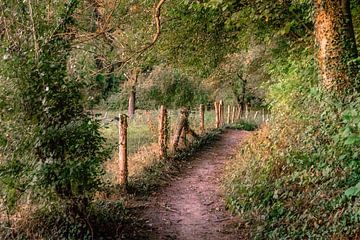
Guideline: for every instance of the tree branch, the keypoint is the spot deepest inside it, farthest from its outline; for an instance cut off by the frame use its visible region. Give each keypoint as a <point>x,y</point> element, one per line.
<point>156,36</point>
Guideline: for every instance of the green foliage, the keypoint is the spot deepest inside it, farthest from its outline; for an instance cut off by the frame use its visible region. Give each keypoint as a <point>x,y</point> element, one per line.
<point>193,38</point>
<point>174,90</point>
<point>245,125</point>
<point>102,221</point>
<point>164,86</point>
<point>50,147</point>
<point>298,178</point>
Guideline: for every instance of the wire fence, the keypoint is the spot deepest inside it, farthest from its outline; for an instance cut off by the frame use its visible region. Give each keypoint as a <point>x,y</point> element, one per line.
<point>142,133</point>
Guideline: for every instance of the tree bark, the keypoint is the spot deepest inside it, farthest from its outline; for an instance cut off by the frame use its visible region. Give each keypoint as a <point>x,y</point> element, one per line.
<point>335,38</point>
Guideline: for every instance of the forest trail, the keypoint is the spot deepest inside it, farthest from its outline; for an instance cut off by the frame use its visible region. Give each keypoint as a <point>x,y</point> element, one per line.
<point>191,206</point>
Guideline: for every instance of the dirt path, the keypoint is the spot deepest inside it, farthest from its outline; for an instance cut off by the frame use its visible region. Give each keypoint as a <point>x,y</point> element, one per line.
<point>192,207</point>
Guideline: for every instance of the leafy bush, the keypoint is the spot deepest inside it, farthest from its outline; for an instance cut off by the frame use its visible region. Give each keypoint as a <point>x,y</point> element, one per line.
<point>51,149</point>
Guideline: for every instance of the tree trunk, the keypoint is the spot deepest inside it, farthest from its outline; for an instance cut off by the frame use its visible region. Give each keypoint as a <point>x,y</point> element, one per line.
<point>242,99</point>
<point>132,97</point>
<point>335,38</point>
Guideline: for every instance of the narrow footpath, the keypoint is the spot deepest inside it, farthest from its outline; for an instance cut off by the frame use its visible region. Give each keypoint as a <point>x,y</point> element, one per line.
<point>192,206</point>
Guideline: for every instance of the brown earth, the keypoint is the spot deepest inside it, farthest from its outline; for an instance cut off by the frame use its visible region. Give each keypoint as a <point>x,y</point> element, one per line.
<point>192,206</point>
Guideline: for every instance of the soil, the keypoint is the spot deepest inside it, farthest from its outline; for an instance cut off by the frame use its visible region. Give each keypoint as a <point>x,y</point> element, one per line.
<point>192,206</point>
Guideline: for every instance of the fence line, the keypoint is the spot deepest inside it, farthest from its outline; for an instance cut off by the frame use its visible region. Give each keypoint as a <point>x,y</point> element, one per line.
<point>185,129</point>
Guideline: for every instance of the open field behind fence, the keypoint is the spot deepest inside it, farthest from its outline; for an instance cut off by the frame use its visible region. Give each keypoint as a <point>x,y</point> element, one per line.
<point>143,133</point>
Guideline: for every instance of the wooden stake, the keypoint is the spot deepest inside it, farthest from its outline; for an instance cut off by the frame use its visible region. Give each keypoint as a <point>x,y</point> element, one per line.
<point>180,128</point>
<point>221,111</point>
<point>123,161</point>
<point>238,115</point>
<point>202,118</point>
<point>263,115</point>
<point>246,112</point>
<point>217,115</point>
<point>233,114</point>
<point>228,114</point>
<point>163,132</point>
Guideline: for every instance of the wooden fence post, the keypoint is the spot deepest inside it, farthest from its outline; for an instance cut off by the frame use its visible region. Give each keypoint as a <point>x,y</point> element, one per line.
<point>238,114</point>
<point>180,128</point>
<point>246,112</point>
<point>263,115</point>
<point>228,114</point>
<point>202,118</point>
<point>217,114</point>
<point>255,115</point>
<point>163,132</point>
<point>233,114</point>
<point>123,161</point>
<point>221,108</point>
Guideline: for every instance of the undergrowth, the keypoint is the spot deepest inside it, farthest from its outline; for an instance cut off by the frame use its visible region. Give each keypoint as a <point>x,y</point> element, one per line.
<point>298,176</point>
<point>104,219</point>
<point>244,125</point>
<point>107,216</point>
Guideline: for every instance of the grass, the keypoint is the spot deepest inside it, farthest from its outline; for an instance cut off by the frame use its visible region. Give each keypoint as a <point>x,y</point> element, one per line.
<point>142,138</point>
<point>142,128</point>
<point>157,174</point>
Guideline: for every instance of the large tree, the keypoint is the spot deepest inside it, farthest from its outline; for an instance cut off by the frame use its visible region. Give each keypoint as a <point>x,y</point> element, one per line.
<point>336,45</point>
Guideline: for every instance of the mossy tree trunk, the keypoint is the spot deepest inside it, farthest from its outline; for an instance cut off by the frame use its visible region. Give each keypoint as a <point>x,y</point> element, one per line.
<point>335,38</point>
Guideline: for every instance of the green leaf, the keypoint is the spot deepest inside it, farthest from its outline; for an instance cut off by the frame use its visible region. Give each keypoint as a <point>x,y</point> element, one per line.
<point>353,191</point>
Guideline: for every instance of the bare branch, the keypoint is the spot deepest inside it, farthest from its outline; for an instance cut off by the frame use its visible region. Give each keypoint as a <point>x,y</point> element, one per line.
<point>156,36</point>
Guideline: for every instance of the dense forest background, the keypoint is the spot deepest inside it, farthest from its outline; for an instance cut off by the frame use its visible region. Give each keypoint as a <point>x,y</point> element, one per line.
<point>61,62</point>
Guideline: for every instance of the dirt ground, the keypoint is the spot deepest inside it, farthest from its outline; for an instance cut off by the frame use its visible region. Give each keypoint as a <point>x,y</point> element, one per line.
<point>191,207</point>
